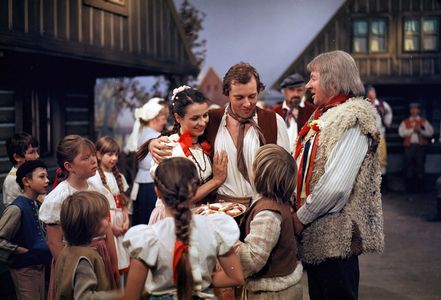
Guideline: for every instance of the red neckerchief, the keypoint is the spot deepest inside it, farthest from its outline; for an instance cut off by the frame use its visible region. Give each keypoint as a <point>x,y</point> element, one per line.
<point>187,142</point>
<point>303,132</point>
<point>179,249</point>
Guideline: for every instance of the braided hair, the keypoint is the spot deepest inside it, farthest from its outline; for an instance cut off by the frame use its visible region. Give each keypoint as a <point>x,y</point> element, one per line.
<point>176,191</point>
<point>108,145</point>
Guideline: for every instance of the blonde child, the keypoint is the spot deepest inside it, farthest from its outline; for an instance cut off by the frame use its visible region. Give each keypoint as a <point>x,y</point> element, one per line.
<point>80,271</point>
<point>107,152</point>
<point>267,247</point>
<point>150,120</point>
<point>181,250</point>
<point>77,160</point>
<point>22,242</point>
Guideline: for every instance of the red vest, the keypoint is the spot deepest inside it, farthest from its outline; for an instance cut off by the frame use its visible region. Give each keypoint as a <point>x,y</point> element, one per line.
<point>410,123</point>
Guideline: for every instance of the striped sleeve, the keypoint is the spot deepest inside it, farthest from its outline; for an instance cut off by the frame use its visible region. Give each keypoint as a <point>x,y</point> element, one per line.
<point>333,189</point>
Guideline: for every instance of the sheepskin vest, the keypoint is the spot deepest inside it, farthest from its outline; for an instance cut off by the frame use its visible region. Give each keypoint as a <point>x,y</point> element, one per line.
<point>358,227</point>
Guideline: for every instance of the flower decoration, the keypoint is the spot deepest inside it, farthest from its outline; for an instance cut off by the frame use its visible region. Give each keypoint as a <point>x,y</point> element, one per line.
<point>178,90</point>
<point>186,142</point>
<point>316,125</point>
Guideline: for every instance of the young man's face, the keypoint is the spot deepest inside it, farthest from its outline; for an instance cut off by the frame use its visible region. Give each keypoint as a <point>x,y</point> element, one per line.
<point>243,98</point>
<point>39,181</point>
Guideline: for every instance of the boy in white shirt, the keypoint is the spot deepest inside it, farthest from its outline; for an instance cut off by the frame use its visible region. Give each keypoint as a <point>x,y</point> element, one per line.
<point>20,147</point>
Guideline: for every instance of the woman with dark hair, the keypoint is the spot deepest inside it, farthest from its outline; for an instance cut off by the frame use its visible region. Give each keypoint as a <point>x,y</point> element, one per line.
<point>190,109</point>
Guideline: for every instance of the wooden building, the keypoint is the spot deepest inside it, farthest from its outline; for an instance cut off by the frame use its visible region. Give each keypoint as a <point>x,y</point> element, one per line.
<point>52,51</point>
<point>396,45</point>
<point>211,85</point>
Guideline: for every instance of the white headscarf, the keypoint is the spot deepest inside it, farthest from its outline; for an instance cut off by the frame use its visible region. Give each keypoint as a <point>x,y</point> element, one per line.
<point>147,112</point>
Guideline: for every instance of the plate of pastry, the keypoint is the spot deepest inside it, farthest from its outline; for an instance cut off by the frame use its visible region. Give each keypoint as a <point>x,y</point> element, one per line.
<point>232,209</point>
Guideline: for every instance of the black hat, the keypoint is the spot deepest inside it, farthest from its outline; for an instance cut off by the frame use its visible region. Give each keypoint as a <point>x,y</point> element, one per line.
<point>27,167</point>
<point>292,80</point>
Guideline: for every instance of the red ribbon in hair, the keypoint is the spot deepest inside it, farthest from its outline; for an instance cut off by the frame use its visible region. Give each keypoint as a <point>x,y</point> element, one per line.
<point>187,142</point>
<point>303,132</point>
<point>179,249</point>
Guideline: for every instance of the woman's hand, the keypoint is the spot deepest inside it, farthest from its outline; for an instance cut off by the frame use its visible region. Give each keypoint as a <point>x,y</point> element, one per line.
<point>220,162</point>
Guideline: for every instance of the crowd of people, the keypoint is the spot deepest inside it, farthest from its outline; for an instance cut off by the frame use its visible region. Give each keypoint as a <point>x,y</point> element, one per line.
<point>302,170</point>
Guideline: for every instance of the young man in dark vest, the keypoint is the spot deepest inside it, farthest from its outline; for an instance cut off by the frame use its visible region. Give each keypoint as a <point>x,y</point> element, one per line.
<point>239,129</point>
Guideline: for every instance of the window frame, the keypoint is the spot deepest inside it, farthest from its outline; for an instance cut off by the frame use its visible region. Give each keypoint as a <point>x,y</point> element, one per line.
<point>369,35</point>
<point>421,34</point>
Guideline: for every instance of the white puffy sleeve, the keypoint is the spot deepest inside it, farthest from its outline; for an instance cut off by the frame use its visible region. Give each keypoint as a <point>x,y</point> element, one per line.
<point>49,212</point>
<point>141,242</point>
<point>226,232</point>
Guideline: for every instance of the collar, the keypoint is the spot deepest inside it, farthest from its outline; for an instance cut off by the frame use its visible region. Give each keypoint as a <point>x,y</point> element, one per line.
<point>301,104</point>
<point>224,118</point>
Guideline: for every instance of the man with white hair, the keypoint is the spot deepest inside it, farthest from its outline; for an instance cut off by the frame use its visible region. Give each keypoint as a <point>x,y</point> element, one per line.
<point>339,214</point>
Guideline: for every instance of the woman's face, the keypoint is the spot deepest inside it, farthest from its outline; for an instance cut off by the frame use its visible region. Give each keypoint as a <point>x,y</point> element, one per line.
<point>318,94</point>
<point>195,119</point>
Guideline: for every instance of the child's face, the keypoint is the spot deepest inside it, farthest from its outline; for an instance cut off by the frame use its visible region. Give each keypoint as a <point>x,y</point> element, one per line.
<point>108,160</point>
<point>84,164</point>
<point>39,181</point>
<point>159,122</point>
<point>31,153</point>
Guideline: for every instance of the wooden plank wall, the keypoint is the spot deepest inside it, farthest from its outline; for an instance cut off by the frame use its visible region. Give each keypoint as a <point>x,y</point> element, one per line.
<point>393,65</point>
<point>148,31</point>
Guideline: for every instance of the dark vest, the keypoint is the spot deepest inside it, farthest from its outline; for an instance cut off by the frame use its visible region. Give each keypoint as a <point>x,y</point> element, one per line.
<point>283,258</point>
<point>266,120</point>
<point>30,236</point>
<point>65,267</point>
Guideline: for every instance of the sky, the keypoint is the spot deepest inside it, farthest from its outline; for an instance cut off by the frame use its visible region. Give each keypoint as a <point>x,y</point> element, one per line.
<point>267,34</point>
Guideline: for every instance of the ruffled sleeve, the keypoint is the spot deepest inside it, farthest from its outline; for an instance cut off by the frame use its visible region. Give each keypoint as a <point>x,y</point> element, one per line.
<point>49,212</point>
<point>226,232</point>
<point>141,242</point>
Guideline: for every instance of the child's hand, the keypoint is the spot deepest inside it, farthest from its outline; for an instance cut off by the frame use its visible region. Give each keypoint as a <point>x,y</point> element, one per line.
<point>21,250</point>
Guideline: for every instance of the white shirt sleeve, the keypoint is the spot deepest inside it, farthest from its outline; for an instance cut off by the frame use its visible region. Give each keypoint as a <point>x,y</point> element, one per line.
<point>333,189</point>
<point>427,130</point>
<point>388,116</point>
<point>403,131</point>
<point>282,133</point>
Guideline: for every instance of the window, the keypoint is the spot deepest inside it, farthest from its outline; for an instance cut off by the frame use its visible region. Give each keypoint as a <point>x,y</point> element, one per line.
<point>369,35</point>
<point>421,34</point>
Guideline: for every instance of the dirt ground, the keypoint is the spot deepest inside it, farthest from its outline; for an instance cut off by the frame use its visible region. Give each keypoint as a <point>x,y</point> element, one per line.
<point>410,267</point>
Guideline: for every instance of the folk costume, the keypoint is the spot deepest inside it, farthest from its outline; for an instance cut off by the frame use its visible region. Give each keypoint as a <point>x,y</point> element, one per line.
<point>154,245</point>
<point>268,252</point>
<point>294,118</point>
<point>81,274</point>
<point>266,128</point>
<point>199,155</point>
<point>11,189</point>
<point>338,168</point>
<point>19,226</point>
<point>415,150</point>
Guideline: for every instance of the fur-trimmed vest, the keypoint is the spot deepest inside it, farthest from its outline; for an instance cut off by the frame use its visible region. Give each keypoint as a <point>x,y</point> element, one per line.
<point>358,227</point>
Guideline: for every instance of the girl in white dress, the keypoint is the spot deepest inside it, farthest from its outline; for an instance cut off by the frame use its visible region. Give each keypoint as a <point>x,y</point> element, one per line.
<point>190,109</point>
<point>107,152</point>
<point>179,252</point>
<point>77,160</point>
